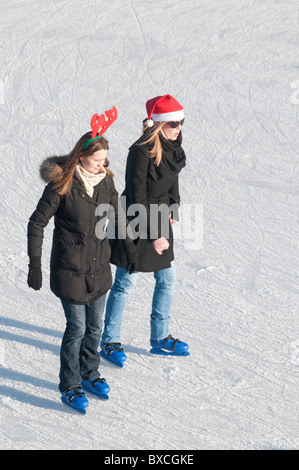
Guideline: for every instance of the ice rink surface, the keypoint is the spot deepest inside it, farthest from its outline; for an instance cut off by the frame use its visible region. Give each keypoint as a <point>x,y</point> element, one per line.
<point>234,65</point>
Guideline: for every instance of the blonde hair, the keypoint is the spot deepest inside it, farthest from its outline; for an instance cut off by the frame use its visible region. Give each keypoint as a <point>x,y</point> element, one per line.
<point>153,139</point>
<point>63,178</point>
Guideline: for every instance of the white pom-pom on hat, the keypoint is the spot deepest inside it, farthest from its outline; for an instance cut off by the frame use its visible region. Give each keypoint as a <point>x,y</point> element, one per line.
<point>149,123</point>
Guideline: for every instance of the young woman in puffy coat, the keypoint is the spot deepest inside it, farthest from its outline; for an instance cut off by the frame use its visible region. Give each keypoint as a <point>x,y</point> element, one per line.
<point>80,273</point>
<point>152,173</point>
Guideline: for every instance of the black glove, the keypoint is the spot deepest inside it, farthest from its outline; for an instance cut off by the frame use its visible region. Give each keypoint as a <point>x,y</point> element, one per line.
<point>132,258</point>
<point>35,276</point>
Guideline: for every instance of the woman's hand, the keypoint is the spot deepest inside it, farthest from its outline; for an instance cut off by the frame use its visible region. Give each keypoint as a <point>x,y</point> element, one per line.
<point>35,278</point>
<point>160,245</point>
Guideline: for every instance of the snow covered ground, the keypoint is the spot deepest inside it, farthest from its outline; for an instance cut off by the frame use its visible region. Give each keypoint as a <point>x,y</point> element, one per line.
<point>234,65</point>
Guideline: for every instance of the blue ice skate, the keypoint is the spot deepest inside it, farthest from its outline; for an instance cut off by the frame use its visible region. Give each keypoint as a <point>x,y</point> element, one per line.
<point>169,347</point>
<point>98,387</point>
<point>113,353</point>
<point>76,399</point>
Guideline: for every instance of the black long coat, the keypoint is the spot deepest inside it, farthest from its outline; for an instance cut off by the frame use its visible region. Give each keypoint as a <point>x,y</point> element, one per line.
<point>146,184</point>
<point>80,269</point>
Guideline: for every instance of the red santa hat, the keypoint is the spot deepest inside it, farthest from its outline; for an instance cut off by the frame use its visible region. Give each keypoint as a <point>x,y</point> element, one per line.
<point>163,108</point>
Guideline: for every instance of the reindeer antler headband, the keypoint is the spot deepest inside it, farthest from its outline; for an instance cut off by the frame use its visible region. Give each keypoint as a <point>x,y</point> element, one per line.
<point>99,122</point>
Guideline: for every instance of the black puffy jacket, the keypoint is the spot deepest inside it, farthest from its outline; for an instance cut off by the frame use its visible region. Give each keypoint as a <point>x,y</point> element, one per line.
<point>79,268</point>
<point>148,184</point>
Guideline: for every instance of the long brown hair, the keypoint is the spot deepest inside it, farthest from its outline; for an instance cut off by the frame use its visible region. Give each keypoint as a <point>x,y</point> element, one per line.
<point>64,177</point>
<point>151,135</point>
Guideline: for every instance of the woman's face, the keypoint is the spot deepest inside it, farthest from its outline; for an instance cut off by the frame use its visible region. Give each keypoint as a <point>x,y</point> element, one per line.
<point>171,133</point>
<point>94,163</point>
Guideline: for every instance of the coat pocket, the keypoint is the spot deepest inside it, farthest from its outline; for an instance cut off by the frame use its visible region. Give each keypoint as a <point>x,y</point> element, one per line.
<point>70,256</point>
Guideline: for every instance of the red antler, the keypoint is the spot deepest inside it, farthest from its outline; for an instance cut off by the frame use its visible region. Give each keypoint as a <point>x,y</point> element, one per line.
<point>99,122</point>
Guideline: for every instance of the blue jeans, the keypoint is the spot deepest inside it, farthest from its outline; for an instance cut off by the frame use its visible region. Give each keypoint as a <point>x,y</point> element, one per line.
<point>79,357</point>
<point>161,303</point>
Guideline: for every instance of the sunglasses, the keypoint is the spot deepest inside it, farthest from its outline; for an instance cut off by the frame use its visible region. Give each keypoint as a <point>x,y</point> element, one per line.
<point>174,124</point>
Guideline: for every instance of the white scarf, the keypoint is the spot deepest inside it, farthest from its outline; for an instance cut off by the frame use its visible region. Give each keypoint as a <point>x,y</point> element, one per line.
<point>89,179</point>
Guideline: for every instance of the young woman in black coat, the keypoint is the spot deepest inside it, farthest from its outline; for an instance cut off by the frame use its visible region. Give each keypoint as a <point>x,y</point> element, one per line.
<point>80,273</point>
<point>153,166</point>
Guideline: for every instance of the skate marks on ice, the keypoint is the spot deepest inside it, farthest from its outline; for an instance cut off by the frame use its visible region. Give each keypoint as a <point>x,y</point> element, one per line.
<point>294,352</point>
<point>231,65</point>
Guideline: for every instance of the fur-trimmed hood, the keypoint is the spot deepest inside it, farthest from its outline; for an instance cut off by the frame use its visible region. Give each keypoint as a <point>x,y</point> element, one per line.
<point>51,166</point>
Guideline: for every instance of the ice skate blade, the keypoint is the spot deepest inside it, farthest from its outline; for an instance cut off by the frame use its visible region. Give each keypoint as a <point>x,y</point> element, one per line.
<point>161,352</point>
<point>74,409</point>
<point>114,363</point>
<point>101,397</point>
